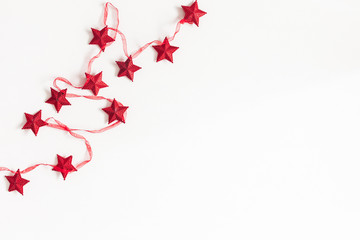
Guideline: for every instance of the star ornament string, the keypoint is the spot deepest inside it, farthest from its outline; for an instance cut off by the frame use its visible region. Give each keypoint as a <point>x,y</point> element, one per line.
<point>116,111</point>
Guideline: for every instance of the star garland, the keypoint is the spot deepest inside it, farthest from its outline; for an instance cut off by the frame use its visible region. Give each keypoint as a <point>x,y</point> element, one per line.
<point>116,111</point>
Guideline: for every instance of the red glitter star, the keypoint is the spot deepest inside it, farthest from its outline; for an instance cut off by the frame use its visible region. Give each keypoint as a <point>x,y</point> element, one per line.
<point>101,38</point>
<point>127,68</point>
<point>165,51</point>
<point>58,99</point>
<point>34,122</point>
<point>193,13</point>
<point>64,166</point>
<point>94,83</point>
<point>16,182</point>
<point>116,111</point>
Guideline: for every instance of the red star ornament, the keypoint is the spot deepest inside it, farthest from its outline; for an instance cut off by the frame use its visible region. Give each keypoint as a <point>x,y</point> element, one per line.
<point>192,13</point>
<point>165,51</point>
<point>101,38</point>
<point>127,68</point>
<point>16,182</point>
<point>58,99</point>
<point>64,166</point>
<point>116,111</point>
<point>34,122</point>
<point>94,83</point>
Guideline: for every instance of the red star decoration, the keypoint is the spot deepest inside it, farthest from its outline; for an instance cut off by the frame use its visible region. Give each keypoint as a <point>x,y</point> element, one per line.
<point>116,111</point>
<point>34,122</point>
<point>64,166</point>
<point>94,83</point>
<point>165,51</point>
<point>127,68</point>
<point>101,38</point>
<point>58,99</point>
<point>192,13</point>
<point>16,182</point>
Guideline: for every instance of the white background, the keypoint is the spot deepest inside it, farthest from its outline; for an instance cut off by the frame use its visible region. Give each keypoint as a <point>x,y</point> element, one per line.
<point>252,133</point>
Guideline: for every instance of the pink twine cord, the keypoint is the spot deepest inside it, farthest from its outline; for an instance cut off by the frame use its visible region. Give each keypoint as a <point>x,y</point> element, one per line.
<point>123,39</point>
<point>92,61</point>
<point>61,126</point>
<point>106,13</point>
<point>72,95</point>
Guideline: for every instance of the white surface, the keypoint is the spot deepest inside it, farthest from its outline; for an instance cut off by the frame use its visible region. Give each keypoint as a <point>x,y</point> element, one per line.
<point>253,132</point>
